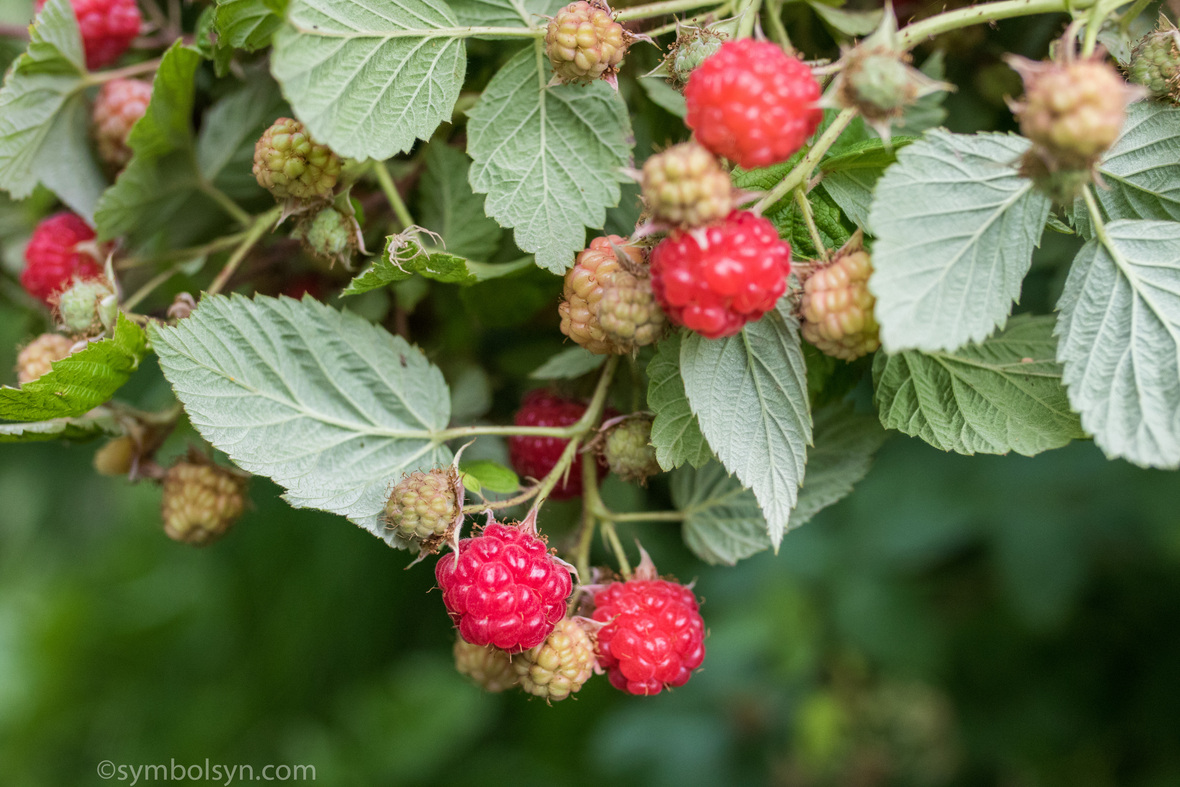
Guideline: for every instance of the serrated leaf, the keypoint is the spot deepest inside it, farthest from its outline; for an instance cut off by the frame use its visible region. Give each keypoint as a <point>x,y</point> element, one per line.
<point>331,407</point>
<point>1120,339</point>
<point>548,158</point>
<point>368,80</point>
<point>491,476</point>
<point>570,363</point>
<point>722,521</point>
<point>850,178</point>
<point>80,382</point>
<point>675,433</point>
<point>1002,395</point>
<point>404,258</point>
<point>843,452</point>
<point>955,228</point>
<point>450,208</point>
<point>249,24</point>
<point>45,117</point>
<point>503,13</point>
<point>749,394</point>
<point>788,218</point>
<point>56,429</point>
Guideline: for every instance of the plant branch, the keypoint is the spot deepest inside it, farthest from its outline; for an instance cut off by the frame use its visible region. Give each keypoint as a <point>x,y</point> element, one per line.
<point>100,77</point>
<point>612,538</point>
<point>912,35</point>
<point>809,220</point>
<point>226,204</point>
<point>802,171</point>
<point>747,17</point>
<point>660,9</point>
<point>148,289</point>
<point>261,227</point>
<point>389,188</point>
<point>1098,15</point>
<point>220,244</point>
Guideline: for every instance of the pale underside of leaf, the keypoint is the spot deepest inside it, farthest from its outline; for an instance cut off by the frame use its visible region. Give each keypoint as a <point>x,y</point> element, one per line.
<point>722,521</point>
<point>1141,174</point>
<point>675,433</point>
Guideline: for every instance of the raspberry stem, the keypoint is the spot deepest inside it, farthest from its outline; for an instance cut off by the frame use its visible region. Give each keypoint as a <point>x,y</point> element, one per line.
<point>1101,10</point>
<point>612,538</point>
<point>802,171</point>
<point>660,9</point>
<point>262,225</point>
<point>912,35</point>
<point>99,77</point>
<point>809,220</point>
<point>392,195</point>
<point>1101,233</point>
<point>225,203</point>
<point>747,16</point>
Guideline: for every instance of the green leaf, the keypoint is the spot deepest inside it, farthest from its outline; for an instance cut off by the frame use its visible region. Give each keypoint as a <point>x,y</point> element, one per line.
<point>999,396</point>
<point>368,80</point>
<point>749,393</point>
<point>403,258</point>
<point>491,476</point>
<point>80,382</point>
<point>664,95</point>
<point>956,228</point>
<point>331,407</point>
<point>722,521</point>
<point>45,117</point>
<point>249,24</point>
<point>850,178</point>
<point>843,452</point>
<point>57,429</point>
<point>449,207</point>
<point>852,23</point>
<point>788,218</point>
<point>503,13</point>
<point>570,363</point>
<point>225,147</point>
<point>675,433</point>
<point>548,158</point>
<point>1120,339</point>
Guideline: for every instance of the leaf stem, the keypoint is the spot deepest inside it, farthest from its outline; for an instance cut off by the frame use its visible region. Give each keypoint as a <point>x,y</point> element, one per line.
<point>912,35</point>
<point>747,17</point>
<point>778,31</point>
<point>660,9</point>
<point>612,538</point>
<point>121,73</point>
<point>261,227</point>
<point>802,171</point>
<point>389,188</point>
<point>809,220</point>
<point>148,288</point>
<point>1098,15</point>
<point>225,203</point>
<point>225,242</point>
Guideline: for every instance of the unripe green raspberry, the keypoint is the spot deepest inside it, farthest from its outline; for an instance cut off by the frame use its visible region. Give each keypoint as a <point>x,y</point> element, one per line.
<point>201,501</point>
<point>687,186</point>
<point>330,235</point>
<point>560,665</point>
<point>87,307</point>
<point>1155,63</point>
<point>629,314</point>
<point>879,83</point>
<point>690,50</point>
<point>116,457</point>
<point>584,287</point>
<point>288,163</point>
<point>584,42</point>
<point>36,358</point>
<point>628,450</point>
<point>490,668</point>
<point>838,308</point>
<point>422,508</point>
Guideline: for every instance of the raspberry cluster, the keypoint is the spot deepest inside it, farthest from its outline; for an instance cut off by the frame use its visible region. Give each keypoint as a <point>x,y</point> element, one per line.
<point>585,43</point>
<point>534,457</point>
<point>585,286</point>
<point>837,308</point>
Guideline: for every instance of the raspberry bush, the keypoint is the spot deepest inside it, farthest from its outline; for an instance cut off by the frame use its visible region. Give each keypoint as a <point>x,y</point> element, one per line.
<point>715,275</point>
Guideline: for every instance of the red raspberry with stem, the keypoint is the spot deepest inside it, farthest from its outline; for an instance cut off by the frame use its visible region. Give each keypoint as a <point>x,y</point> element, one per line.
<point>52,260</point>
<point>716,278</point>
<point>108,27</point>
<point>654,636</point>
<point>534,457</point>
<point>752,103</point>
<point>120,103</point>
<point>503,588</point>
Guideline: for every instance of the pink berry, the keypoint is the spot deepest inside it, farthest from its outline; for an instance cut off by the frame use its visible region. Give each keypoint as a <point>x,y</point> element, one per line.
<point>108,27</point>
<point>52,260</point>
<point>120,103</point>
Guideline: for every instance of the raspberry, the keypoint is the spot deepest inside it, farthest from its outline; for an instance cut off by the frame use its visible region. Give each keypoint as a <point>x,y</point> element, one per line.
<point>628,450</point>
<point>534,457</point>
<point>120,103</point>
<point>629,314</point>
<point>654,636</point>
<point>1072,111</point>
<point>201,501</point>
<point>837,308</point>
<point>490,668</point>
<point>422,509</point>
<point>86,307</point>
<point>585,43</point>
<point>715,279</point>
<point>752,103</point>
<point>1155,63</point>
<point>116,457</point>
<point>584,284</point>
<point>51,259</point>
<point>690,50</point>
<point>36,358</point>
<point>560,665</point>
<point>503,588</point>
<point>289,164</point>
<point>686,185</point>
<point>108,27</point>
<point>330,235</point>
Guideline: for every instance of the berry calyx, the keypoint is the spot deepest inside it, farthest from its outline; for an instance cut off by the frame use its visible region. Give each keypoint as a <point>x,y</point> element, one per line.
<point>837,307</point>
<point>423,509</point>
<point>628,312</point>
<point>37,357</point>
<point>560,665</point>
<point>534,457</point>
<point>585,43</point>
<point>489,668</point>
<point>202,501</point>
<point>503,588</point>
<point>87,307</point>
<point>686,186</point>
<point>53,258</point>
<point>120,103</point>
<point>879,82</point>
<point>752,103</point>
<point>584,287</point>
<point>1155,63</point>
<point>107,26</point>
<point>653,637</point>
<point>628,451</point>
<point>690,50</point>
<point>715,279</point>
<point>289,164</point>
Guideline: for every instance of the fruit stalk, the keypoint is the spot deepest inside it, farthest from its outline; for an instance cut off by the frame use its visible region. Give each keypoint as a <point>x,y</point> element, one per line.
<point>660,9</point>
<point>808,163</point>
<point>262,225</point>
<point>912,35</point>
<point>389,188</point>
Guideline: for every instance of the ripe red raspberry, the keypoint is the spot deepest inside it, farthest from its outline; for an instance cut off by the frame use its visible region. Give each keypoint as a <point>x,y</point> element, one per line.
<point>654,636</point>
<point>715,279</point>
<point>51,261</point>
<point>752,103</point>
<point>108,27</point>
<point>534,457</point>
<point>503,588</point>
<point>120,103</point>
